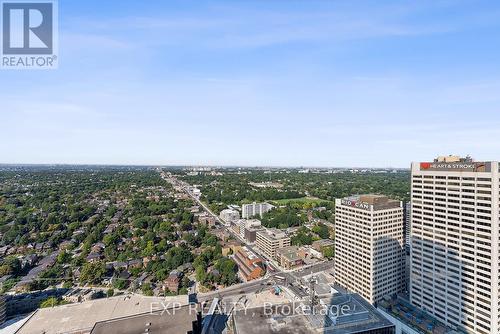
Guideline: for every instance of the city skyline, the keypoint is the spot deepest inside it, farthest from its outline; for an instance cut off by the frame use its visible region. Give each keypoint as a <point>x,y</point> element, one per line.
<point>260,84</point>
<point>251,166</point>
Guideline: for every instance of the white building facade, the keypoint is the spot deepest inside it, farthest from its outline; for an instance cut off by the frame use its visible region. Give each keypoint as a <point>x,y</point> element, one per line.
<point>229,215</point>
<point>455,242</point>
<point>369,252</point>
<point>254,209</point>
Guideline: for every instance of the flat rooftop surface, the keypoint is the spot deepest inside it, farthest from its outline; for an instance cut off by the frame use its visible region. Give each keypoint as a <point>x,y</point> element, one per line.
<point>379,202</point>
<point>352,314</point>
<point>179,321</point>
<point>83,316</point>
<point>274,320</point>
<point>413,317</point>
<point>348,314</point>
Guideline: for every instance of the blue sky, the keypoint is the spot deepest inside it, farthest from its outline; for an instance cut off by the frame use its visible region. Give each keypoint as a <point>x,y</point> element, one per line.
<point>296,83</point>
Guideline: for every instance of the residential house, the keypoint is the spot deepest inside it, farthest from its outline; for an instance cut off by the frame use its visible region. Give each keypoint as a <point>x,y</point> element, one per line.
<point>93,257</point>
<point>173,281</point>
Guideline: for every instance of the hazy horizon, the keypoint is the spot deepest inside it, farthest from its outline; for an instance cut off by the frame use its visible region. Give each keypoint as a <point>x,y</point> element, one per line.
<point>200,166</point>
<point>254,83</point>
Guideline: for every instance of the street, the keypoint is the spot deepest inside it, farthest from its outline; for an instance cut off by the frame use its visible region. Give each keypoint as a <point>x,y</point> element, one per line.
<point>292,277</point>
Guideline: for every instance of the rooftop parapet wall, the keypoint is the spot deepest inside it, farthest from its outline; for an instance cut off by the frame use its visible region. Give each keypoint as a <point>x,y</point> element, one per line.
<point>371,202</point>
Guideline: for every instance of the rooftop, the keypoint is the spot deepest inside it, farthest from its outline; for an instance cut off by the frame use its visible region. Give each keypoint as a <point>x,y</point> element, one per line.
<point>453,164</point>
<point>248,253</point>
<point>349,313</point>
<point>413,317</point>
<point>257,320</point>
<point>378,202</point>
<point>324,242</point>
<point>178,321</point>
<point>83,316</point>
<point>453,158</point>
<point>360,315</point>
<point>290,253</point>
<point>272,233</point>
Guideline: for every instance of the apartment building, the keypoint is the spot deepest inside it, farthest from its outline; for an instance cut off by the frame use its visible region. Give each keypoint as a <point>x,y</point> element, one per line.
<point>251,234</point>
<point>369,252</point>
<point>245,225</point>
<point>269,240</point>
<point>254,209</point>
<point>455,242</point>
<point>229,215</point>
<point>247,229</point>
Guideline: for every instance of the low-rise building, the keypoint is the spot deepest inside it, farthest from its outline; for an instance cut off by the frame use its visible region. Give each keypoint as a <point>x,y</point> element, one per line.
<point>270,240</point>
<point>98,247</point>
<point>207,220</point>
<point>81,295</point>
<point>250,266</point>
<point>116,265</point>
<point>320,244</point>
<point>221,234</point>
<point>229,215</point>
<point>289,257</point>
<point>144,278</point>
<point>309,254</point>
<point>230,247</point>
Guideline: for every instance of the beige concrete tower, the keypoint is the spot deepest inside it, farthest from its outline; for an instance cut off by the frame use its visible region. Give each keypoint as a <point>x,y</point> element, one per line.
<point>455,242</point>
<point>369,252</point>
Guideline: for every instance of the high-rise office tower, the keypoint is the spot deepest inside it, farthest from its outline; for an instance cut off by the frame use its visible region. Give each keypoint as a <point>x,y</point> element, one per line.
<point>455,242</point>
<point>369,253</point>
<point>406,226</point>
<point>407,243</point>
